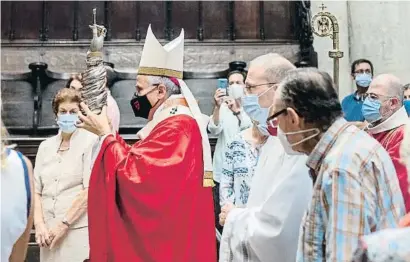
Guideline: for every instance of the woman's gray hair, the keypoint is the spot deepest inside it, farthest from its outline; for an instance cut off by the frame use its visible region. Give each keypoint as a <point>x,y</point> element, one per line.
<point>406,87</point>
<point>172,88</point>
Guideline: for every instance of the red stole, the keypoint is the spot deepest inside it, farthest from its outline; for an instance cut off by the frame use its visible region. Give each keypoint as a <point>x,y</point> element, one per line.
<point>391,141</point>
<point>147,202</point>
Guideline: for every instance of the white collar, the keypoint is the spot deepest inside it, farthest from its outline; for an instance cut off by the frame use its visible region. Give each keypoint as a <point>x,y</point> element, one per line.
<point>161,107</point>
<point>399,118</point>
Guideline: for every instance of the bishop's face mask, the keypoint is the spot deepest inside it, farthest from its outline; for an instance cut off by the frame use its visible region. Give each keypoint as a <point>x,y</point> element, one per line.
<point>141,105</point>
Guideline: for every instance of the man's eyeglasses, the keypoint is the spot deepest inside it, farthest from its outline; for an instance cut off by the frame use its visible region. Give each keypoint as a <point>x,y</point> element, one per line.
<point>373,96</point>
<point>272,122</point>
<point>361,71</point>
<point>253,86</point>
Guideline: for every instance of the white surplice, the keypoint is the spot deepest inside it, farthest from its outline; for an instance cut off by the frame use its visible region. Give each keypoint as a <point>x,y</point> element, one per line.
<point>267,229</point>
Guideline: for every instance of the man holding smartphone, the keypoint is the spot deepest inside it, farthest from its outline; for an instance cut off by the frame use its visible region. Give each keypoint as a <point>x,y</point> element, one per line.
<point>228,119</point>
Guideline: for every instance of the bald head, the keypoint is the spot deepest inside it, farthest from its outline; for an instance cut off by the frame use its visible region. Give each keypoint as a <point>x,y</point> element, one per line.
<point>387,85</point>
<point>274,65</point>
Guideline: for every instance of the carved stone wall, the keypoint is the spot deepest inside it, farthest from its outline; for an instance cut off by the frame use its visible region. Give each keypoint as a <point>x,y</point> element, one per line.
<point>200,57</point>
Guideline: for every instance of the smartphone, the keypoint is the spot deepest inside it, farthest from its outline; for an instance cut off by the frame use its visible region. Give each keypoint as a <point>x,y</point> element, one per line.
<point>222,83</point>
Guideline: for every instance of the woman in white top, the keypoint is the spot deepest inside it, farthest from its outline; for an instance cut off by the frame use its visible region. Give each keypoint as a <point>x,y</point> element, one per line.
<point>16,202</point>
<point>62,172</point>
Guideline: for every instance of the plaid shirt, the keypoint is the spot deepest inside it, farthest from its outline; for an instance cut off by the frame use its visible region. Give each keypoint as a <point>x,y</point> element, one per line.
<point>356,192</point>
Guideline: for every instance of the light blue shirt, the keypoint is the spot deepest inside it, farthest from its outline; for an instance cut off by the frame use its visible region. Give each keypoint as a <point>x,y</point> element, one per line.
<point>352,108</point>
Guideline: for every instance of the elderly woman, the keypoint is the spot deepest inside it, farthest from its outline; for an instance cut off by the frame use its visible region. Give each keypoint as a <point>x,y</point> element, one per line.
<point>62,172</point>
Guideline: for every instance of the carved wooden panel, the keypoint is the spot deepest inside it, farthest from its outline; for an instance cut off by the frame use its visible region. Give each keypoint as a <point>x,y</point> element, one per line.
<point>215,15</point>
<point>224,20</point>
<point>124,19</point>
<point>6,13</point>
<point>27,19</point>
<point>279,22</point>
<point>185,15</point>
<point>60,19</point>
<point>152,13</point>
<point>85,17</point>
<point>246,19</point>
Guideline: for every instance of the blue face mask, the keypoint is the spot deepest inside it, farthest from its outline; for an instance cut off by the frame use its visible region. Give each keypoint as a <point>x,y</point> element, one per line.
<point>407,106</point>
<point>363,80</point>
<point>371,110</point>
<point>67,122</point>
<point>252,108</point>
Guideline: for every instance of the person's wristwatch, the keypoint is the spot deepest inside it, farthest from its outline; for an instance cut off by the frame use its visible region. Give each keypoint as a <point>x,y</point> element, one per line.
<point>65,222</point>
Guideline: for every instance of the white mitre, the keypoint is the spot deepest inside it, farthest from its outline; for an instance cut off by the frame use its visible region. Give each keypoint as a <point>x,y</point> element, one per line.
<point>168,61</point>
<point>161,60</point>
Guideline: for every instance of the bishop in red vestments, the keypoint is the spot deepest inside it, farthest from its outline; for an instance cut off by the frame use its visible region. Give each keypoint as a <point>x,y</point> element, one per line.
<point>385,105</point>
<point>152,201</point>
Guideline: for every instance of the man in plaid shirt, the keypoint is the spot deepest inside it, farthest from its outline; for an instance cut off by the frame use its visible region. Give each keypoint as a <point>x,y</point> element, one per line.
<point>356,190</point>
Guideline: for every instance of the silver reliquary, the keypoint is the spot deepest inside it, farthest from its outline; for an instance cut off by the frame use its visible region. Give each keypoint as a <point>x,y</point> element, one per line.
<point>94,80</point>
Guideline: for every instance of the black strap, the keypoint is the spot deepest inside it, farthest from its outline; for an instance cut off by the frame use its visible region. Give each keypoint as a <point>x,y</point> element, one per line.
<point>26,182</point>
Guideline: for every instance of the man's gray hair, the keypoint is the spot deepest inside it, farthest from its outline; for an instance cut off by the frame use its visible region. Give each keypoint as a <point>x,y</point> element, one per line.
<point>172,88</point>
<point>276,66</point>
<point>393,85</point>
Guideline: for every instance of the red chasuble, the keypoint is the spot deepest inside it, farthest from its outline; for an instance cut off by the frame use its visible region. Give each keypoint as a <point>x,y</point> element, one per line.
<point>147,202</point>
<point>391,141</point>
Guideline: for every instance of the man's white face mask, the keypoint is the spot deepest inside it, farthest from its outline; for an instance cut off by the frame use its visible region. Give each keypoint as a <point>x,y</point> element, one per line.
<point>236,91</point>
<point>275,130</point>
<point>285,143</point>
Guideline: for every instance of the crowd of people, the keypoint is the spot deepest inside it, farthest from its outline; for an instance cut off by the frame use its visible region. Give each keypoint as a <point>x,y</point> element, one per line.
<point>296,174</point>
